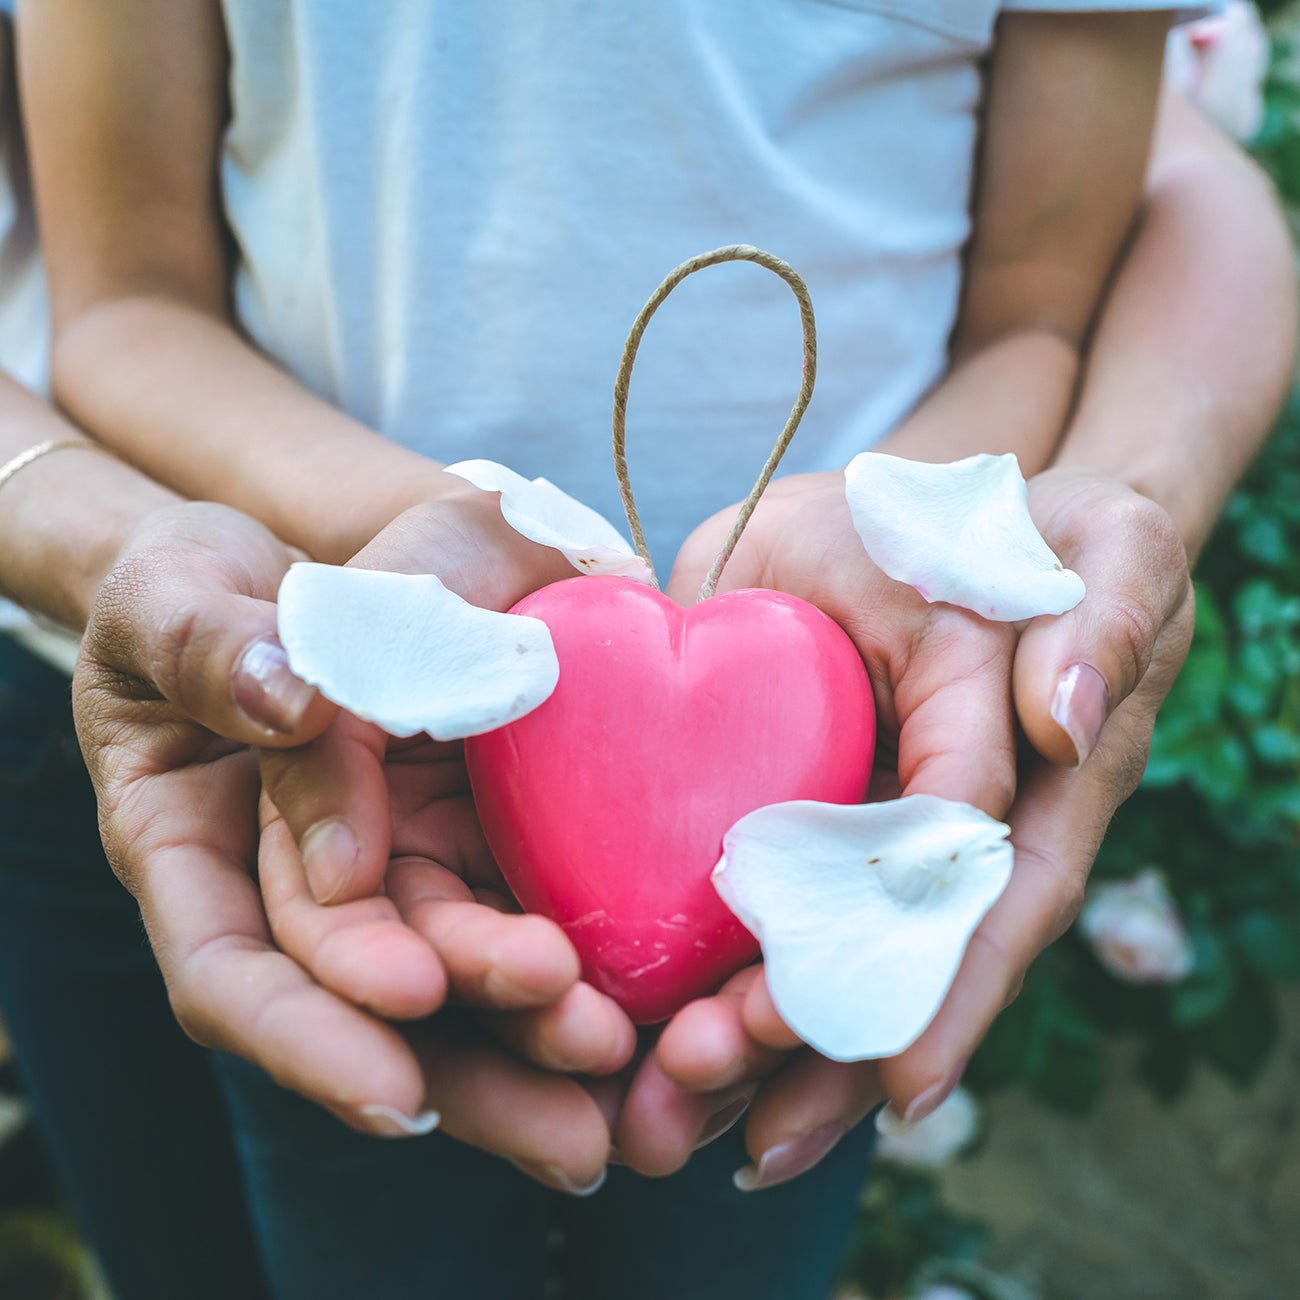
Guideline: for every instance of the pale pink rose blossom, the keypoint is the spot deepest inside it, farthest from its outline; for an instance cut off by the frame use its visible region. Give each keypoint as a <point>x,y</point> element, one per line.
<point>1220,63</point>
<point>935,1140</point>
<point>1134,929</point>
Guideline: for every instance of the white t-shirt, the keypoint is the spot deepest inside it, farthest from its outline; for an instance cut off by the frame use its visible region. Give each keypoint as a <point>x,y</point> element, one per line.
<point>448,215</point>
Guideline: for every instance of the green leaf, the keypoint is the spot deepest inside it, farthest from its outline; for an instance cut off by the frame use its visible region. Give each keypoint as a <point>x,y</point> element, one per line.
<point>1238,1040</point>
<point>1072,1078</point>
<point>1015,1045</point>
<point>1264,539</point>
<point>1166,1066</point>
<point>1276,744</point>
<point>1269,943</point>
<point>1210,986</point>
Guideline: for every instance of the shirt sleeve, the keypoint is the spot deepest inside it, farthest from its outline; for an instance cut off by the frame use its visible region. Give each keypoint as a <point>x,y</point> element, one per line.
<point>1181,11</point>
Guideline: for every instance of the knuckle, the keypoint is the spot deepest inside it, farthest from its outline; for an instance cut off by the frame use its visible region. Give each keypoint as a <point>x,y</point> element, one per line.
<point>188,1009</point>
<point>1066,888</point>
<point>1129,628</point>
<point>179,642</point>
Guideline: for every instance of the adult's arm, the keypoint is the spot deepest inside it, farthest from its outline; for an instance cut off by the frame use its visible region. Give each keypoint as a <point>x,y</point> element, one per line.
<point>126,103</point>
<point>1191,359</point>
<point>1186,366</point>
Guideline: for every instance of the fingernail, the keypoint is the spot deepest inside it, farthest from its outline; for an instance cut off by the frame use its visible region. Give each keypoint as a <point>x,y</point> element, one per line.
<point>788,1160</point>
<point>266,689</point>
<point>1080,706</point>
<point>718,1124</point>
<point>889,1122</point>
<point>554,1176</point>
<point>329,852</point>
<point>387,1121</point>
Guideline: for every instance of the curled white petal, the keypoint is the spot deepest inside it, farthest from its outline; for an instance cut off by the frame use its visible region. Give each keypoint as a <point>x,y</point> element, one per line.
<point>543,513</point>
<point>959,533</point>
<point>1134,928</point>
<point>935,1140</point>
<point>404,652</point>
<point>863,911</point>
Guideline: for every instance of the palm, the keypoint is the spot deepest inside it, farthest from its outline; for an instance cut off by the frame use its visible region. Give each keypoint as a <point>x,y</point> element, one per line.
<point>941,681</point>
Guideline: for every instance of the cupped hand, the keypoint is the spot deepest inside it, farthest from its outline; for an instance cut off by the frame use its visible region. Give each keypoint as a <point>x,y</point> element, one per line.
<point>376,876</point>
<point>942,684</point>
<point>1088,686</point>
<point>1132,631</point>
<point>180,677</point>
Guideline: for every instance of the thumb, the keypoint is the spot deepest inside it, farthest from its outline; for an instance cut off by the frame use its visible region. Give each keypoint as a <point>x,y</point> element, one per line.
<point>196,625</point>
<point>1072,671</point>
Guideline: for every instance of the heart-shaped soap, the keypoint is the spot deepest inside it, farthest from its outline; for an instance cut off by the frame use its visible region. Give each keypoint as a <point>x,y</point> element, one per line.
<point>606,806</point>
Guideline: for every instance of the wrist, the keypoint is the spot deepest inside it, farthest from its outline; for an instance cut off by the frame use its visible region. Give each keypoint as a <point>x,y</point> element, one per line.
<point>66,518</point>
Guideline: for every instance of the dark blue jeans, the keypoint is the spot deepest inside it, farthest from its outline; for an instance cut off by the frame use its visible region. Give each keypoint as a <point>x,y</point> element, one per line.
<point>130,1108</point>
<point>142,1136</point>
<point>343,1216</point>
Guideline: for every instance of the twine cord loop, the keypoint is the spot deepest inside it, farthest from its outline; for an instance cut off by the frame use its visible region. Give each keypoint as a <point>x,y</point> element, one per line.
<point>731,253</point>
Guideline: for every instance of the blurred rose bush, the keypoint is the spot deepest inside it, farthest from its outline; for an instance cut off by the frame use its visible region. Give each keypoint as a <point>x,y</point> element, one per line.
<point>1193,917</point>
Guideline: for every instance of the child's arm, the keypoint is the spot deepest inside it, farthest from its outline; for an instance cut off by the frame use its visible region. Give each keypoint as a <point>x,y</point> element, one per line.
<point>125,102</point>
<point>1069,111</point>
<point>1188,361</point>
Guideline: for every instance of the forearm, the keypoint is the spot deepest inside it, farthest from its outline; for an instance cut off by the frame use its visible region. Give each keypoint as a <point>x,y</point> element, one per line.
<point>1195,347</point>
<point>65,517</point>
<point>1011,395</point>
<point>179,393</point>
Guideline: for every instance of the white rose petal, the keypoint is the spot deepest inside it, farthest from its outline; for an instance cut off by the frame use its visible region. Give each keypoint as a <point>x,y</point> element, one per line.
<point>936,1139</point>
<point>404,652</point>
<point>540,511</point>
<point>959,533</point>
<point>1135,930</point>
<point>863,911</point>
<point>1220,64</point>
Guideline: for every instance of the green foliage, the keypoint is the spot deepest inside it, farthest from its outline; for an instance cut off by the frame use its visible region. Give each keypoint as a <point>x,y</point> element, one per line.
<point>41,1258</point>
<point>1218,813</point>
<point>904,1224</point>
<point>1219,809</point>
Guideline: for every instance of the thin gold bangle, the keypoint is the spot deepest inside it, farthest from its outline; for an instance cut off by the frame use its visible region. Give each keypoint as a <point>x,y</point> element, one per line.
<point>25,458</point>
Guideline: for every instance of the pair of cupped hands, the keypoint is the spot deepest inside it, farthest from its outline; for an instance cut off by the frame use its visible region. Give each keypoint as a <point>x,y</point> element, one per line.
<point>321,900</point>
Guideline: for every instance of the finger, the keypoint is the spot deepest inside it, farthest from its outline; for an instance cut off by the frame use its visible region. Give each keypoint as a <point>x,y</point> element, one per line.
<point>463,539</point>
<point>189,614</point>
<point>361,950</point>
<point>1057,826</point>
<point>333,798</point>
<point>956,735</point>
<point>798,1117</point>
<point>1073,671</point>
<point>584,1032</point>
<point>233,991</point>
<point>763,1021</point>
<point>661,1123</point>
<point>707,1046</point>
<point>549,1125</point>
<point>493,959</point>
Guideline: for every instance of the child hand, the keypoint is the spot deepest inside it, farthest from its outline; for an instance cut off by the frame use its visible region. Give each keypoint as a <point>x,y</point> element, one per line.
<point>942,684</point>
<point>1133,628</point>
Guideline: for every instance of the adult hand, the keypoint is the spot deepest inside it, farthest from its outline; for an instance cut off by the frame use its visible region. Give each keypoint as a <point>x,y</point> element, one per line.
<point>1087,686</point>
<point>942,684</point>
<point>179,676</point>
<point>1132,630</point>
<point>367,838</point>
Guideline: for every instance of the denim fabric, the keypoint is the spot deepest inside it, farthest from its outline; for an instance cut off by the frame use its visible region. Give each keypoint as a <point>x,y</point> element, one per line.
<point>128,1105</point>
<point>141,1133</point>
<point>341,1216</point>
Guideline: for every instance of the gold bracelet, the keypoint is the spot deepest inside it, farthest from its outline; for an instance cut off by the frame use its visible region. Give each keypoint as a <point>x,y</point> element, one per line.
<point>25,458</point>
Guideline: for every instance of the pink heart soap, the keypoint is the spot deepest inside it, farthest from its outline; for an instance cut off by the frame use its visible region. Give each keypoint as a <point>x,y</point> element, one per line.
<point>606,806</point>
